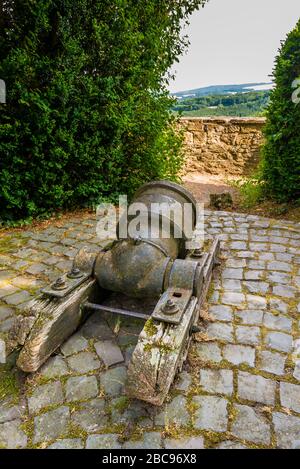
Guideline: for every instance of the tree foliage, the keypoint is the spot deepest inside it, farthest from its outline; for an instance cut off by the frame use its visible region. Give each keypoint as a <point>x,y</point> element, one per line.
<point>281,153</point>
<point>88,110</point>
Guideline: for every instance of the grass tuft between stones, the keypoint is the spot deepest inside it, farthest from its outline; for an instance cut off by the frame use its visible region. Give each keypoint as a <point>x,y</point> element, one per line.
<point>9,386</point>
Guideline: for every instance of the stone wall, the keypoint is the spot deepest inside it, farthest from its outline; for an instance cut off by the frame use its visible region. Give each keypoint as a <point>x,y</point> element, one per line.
<point>221,145</point>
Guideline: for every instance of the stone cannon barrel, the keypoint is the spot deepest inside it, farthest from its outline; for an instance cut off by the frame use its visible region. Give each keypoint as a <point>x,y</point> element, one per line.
<point>141,266</point>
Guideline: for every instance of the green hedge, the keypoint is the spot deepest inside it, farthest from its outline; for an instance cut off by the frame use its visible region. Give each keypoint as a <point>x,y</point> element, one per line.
<point>87,113</point>
<point>281,154</point>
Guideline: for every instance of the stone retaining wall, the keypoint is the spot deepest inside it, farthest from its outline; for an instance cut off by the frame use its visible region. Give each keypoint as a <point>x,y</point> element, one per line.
<point>221,145</point>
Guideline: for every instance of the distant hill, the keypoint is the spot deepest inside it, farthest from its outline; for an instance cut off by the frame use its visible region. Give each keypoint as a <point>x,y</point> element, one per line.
<point>222,89</point>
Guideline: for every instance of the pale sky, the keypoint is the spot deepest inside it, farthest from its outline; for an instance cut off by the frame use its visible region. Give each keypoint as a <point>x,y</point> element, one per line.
<point>234,41</point>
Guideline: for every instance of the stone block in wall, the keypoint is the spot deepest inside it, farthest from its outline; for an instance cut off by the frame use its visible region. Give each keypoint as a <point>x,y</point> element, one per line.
<point>192,124</point>
<point>249,129</point>
<point>200,138</point>
<point>188,138</point>
<point>232,129</point>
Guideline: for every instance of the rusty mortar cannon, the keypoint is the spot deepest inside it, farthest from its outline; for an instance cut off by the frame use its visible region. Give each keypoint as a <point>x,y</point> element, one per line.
<point>162,267</point>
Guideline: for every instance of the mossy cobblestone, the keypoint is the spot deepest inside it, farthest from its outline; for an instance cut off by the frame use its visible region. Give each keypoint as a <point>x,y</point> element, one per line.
<point>239,388</point>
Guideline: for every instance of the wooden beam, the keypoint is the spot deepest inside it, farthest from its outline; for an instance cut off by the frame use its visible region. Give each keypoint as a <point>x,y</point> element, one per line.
<point>162,348</point>
<point>55,320</point>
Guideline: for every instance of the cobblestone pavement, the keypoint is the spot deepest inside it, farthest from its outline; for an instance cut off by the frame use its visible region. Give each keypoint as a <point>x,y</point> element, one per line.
<point>241,384</point>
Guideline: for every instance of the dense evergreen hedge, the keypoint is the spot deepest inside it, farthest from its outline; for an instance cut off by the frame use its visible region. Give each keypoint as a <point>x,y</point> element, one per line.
<point>87,113</point>
<point>281,154</point>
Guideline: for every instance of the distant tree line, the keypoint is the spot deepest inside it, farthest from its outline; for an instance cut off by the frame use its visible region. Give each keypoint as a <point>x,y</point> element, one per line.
<point>240,104</point>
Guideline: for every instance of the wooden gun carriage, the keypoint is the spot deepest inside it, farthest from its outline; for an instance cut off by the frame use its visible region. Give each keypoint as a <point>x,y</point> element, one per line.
<point>163,268</point>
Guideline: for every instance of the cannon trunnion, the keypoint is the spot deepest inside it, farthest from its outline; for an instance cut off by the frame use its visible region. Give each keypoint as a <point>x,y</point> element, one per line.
<point>160,266</point>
